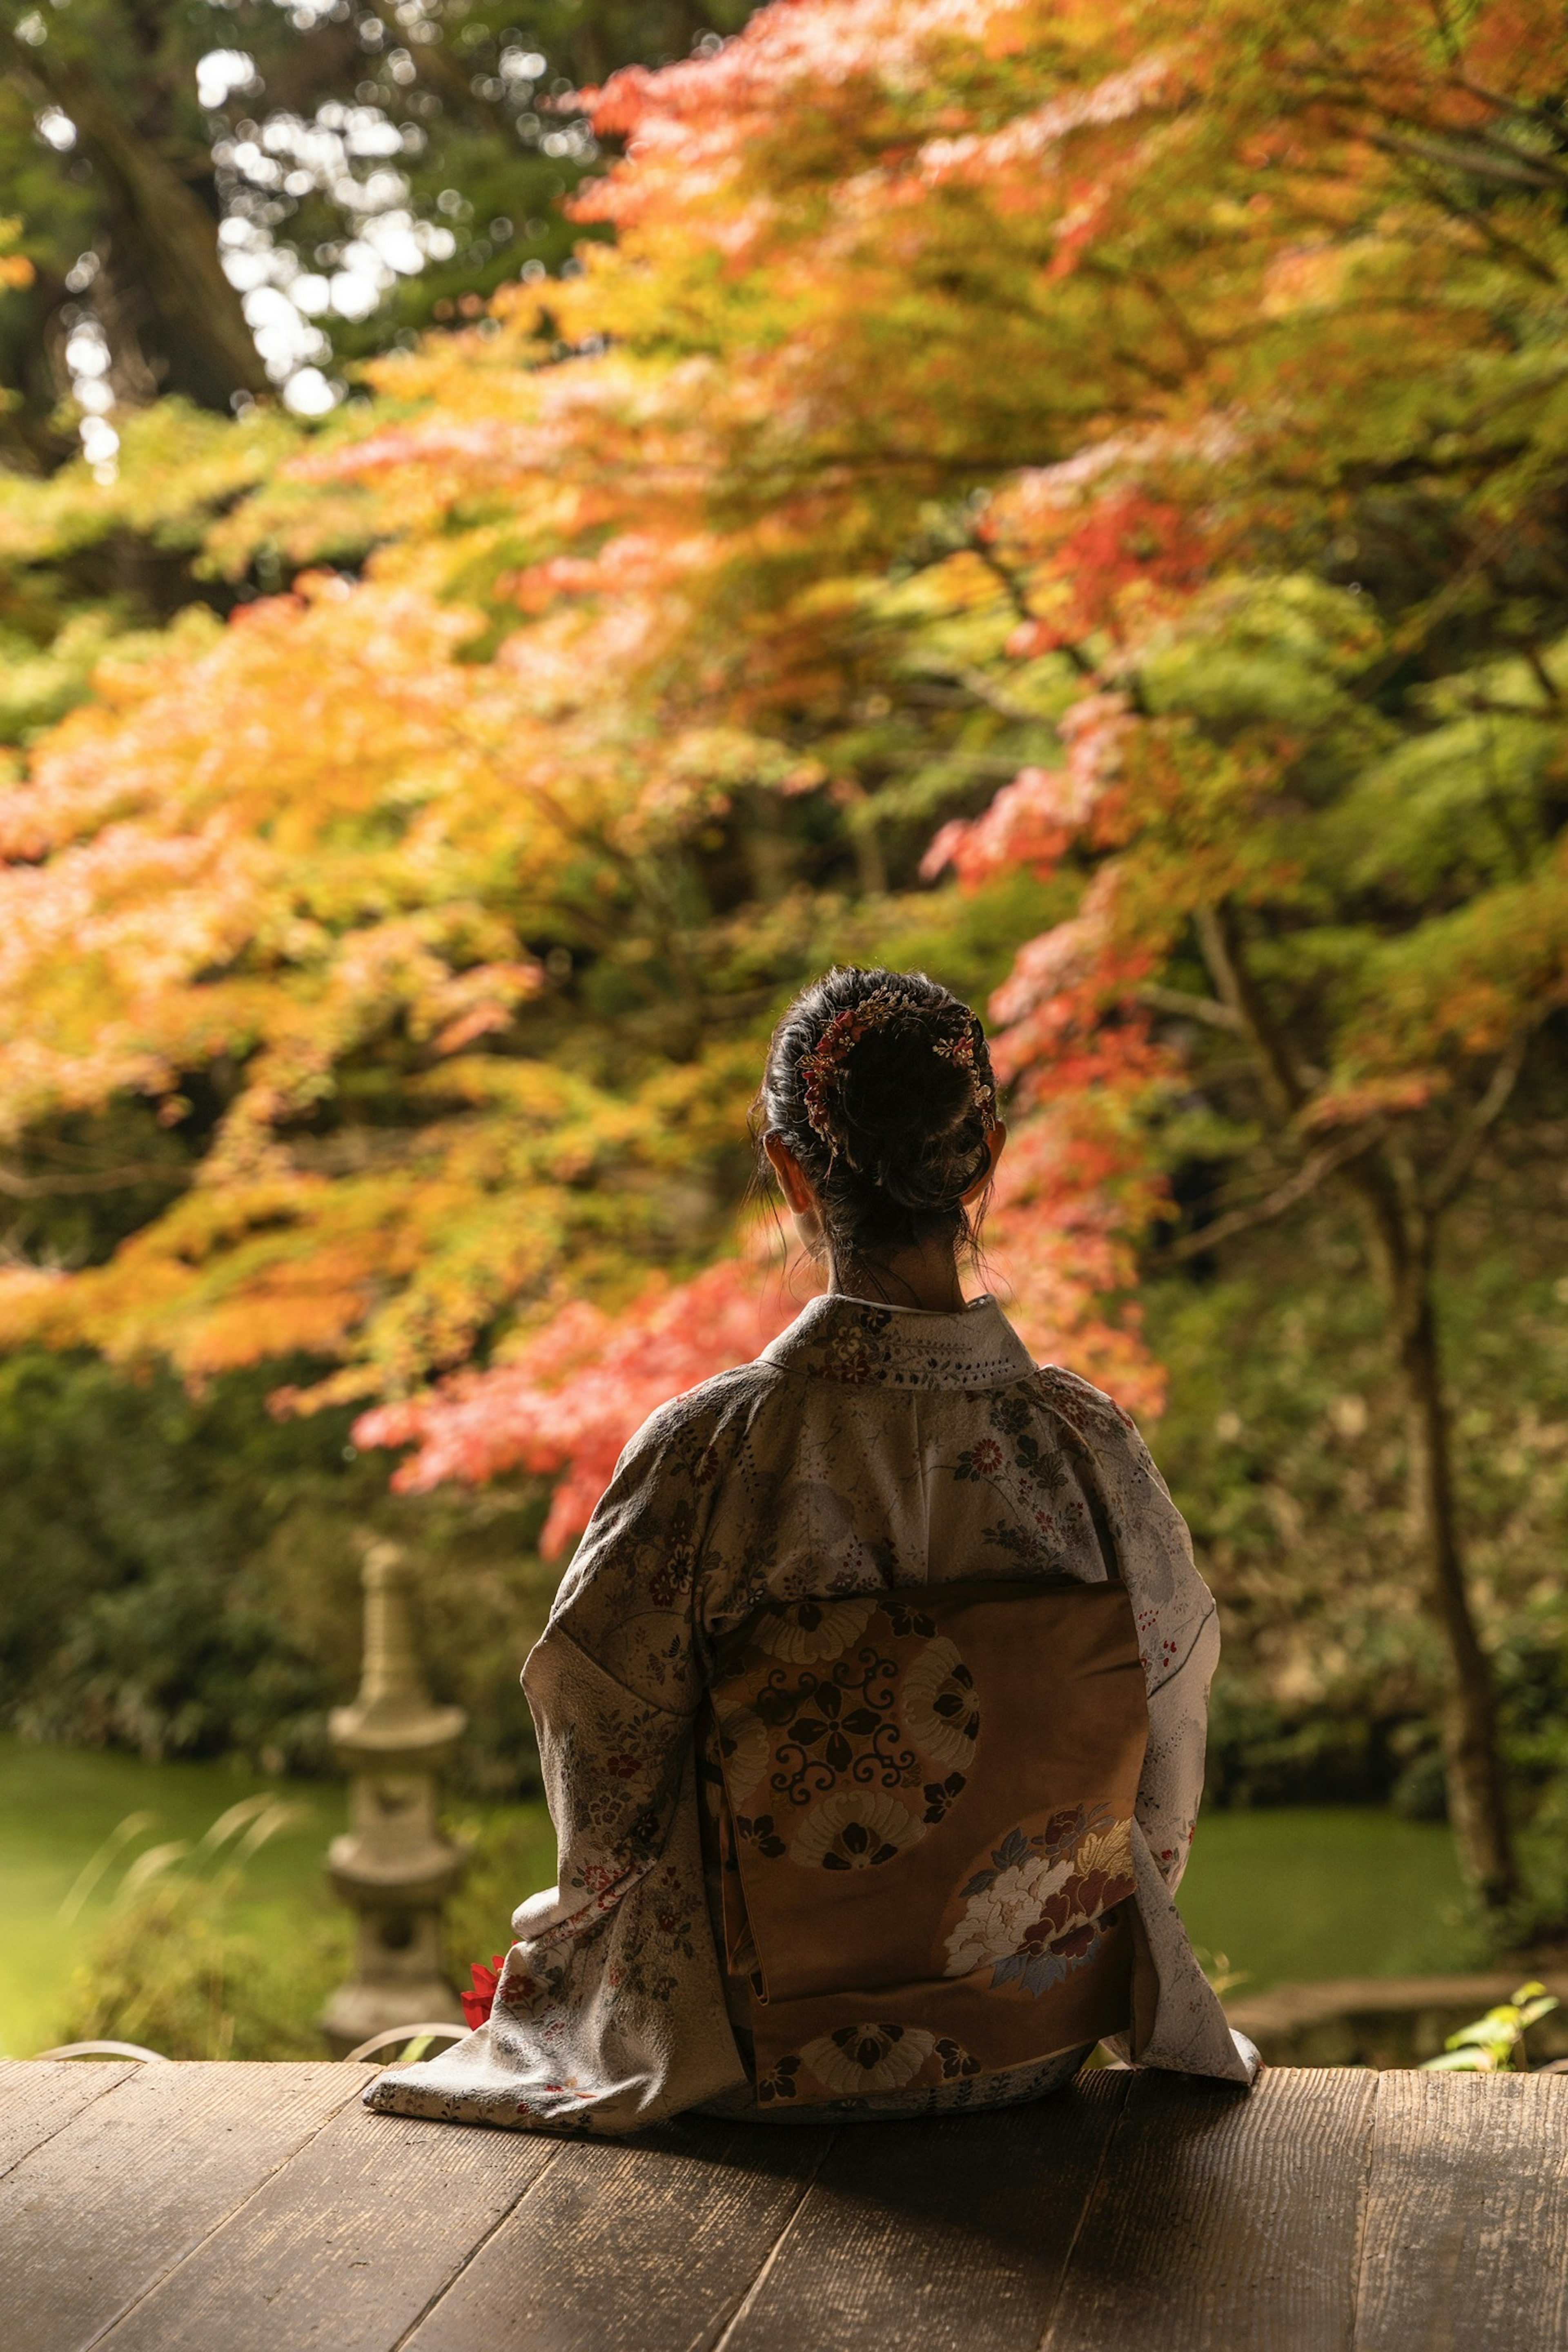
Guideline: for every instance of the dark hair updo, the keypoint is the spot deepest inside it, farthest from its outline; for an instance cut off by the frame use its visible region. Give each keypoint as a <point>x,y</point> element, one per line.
<point>880,1083</point>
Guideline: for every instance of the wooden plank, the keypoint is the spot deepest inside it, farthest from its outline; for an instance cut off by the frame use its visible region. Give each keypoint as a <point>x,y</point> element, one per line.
<point>643,2246</point>
<point>100,2212</point>
<point>347,2246</point>
<point>1466,2236</point>
<point>1224,2220</point>
<point>38,2097</point>
<point>940,2236</point>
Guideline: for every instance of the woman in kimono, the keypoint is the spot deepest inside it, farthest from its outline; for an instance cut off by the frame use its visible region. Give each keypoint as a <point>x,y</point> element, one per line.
<point>772,1682</point>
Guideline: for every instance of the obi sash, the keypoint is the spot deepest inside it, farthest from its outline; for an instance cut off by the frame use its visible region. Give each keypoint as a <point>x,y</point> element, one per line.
<point>924,1806</point>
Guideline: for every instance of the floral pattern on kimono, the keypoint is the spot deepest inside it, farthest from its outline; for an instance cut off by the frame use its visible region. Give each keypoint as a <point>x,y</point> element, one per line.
<point>868,1450</point>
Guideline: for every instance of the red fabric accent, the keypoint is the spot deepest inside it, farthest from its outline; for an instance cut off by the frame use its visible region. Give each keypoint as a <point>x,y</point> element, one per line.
<point>478,2004</point>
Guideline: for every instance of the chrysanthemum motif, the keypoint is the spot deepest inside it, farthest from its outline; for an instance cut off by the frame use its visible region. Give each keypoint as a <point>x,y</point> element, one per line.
<point>807,1631</point>
<point>997,1918</point>
<point>941,1706</point>
<point>1039,1913</point>
<point>743,1744</point>
<point>854,1830</point>
<point>851,1355</point>
<point>870,2057</point>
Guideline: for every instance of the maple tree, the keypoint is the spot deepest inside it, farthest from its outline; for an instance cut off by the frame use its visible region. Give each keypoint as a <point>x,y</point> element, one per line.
<point>1322,794</point>
<point>224,211</point>
<point>1122,444</point>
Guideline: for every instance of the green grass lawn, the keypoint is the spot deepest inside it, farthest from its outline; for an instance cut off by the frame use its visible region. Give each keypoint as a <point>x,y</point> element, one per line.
<point>1297,1893</point>
<point>1286,1895</point>
<point>57,1807</point>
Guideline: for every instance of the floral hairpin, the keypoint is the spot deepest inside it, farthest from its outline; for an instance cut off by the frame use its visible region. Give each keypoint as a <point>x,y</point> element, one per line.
<point>960,1052</point>
<point>819,1069</point>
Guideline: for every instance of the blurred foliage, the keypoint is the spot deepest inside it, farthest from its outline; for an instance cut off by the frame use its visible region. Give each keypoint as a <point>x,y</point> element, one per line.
<point>1284,1442</point>
<point>179,1574</point>
<point>176,1965</point>
<point>171,180</point>
<point>512,1854</point>
<point>1494,2044</point>
<point>167,1969</point>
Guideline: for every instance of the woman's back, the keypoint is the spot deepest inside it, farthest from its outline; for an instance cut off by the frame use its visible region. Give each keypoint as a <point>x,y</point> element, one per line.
<point>874,1448</point>
<point>870,1448</point>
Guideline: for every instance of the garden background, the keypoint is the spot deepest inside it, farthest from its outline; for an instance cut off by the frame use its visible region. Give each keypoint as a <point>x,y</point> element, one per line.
<point>527,532</point>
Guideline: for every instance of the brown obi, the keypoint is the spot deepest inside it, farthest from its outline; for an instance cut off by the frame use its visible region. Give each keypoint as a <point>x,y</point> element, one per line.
<point>924,1804</point>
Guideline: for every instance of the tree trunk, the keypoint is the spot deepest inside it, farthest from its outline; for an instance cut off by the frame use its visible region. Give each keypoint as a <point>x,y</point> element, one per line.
<point>1403,1230</point>
<point>165,237</point>
<point>1476,1799</point>
<point>1405,1234</point>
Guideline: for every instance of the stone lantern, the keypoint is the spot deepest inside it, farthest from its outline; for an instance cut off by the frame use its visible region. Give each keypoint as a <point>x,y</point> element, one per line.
<point>392,1867</point>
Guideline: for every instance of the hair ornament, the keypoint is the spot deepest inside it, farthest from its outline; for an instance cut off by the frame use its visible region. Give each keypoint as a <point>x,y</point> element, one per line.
<point>960,1052</point>
<point>820,1069</point>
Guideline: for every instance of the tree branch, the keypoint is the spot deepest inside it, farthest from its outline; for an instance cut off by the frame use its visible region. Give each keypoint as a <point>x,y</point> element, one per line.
<point>1234,985</point>
<point>194,298</point>
<point>1020,604</point>
<point>1498,160</point>
<point>1541,675</point>
<point>981,547</point>
<point>18,1187</point>
<point>1206,1009</point>
<point>1494,237</point>
<point>1298,1187</point>
<point>1450,1178</point>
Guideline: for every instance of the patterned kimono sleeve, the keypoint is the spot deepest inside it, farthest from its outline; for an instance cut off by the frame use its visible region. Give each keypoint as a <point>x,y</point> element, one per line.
<point>1178,1634</point>
<point>1173,1782</point>
<point>613,1684</point>
<point>609,2013</point>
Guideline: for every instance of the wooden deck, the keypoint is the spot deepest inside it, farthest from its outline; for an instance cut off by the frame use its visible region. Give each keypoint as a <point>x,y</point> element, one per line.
<point>260,2209</point>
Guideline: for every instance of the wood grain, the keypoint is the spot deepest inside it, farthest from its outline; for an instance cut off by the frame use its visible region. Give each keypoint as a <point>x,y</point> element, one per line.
<point>1465,2241</point>
<point>643,2246</point>
<point>93,2218</point>
<point>38,2097</point>
<point>260,2208</point>
<point>937,2236</point>
<point>1223,2222</point>
<point>346,2247</point>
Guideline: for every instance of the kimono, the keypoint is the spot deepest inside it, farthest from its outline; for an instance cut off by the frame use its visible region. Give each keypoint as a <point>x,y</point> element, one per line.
<point>868,1450</point>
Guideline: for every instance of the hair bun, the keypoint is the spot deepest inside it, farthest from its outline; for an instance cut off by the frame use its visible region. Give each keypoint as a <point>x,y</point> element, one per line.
<point>881,1085</point>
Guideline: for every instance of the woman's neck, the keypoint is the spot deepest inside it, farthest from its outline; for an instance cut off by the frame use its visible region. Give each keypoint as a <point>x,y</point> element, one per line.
<point>925,1276</point>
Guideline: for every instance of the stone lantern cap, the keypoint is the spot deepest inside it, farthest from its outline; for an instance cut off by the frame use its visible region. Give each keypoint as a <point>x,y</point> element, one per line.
<point>394,1720</point>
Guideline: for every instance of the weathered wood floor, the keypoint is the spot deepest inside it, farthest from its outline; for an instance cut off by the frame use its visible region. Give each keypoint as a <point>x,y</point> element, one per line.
<point>260,2209</point>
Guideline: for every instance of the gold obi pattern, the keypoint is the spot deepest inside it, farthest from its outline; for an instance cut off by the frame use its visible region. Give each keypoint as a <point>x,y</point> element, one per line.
<point>924,1806</point>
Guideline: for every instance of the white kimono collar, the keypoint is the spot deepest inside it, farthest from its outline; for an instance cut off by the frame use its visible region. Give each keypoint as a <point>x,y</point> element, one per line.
<point>864,1343</point>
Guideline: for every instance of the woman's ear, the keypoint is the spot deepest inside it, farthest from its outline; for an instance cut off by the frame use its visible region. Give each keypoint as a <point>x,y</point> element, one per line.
<point>792,1179</point>
<point>993,1143</point>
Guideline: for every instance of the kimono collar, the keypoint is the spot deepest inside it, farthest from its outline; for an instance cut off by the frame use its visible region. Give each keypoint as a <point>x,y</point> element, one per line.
<point>865,1344</point>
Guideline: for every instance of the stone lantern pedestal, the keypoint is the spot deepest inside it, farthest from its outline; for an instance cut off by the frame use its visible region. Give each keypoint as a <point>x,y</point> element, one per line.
<point>392,1867</point>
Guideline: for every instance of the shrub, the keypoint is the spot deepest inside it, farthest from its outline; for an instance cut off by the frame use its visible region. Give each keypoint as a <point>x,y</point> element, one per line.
<point>171,1968</point>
